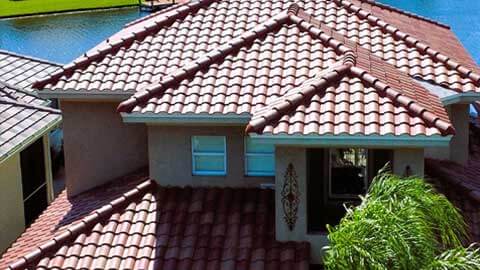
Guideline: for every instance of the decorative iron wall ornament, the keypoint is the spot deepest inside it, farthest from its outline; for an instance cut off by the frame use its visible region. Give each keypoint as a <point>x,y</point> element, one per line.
<point>290,196</point>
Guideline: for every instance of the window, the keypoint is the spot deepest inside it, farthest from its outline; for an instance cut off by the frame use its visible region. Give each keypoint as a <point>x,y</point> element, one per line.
<point>335,178</point>
<point>209,155</point>
<point>348,172</point>
<point>34,185</point>
<point>259,158</point>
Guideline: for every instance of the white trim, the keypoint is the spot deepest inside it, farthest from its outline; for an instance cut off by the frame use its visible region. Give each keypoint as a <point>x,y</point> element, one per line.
<point>85,95</point>
<point>370,141</point>
<point>195,154</point>
<point>28,141</point>
<point>465,98</point>
<point>190,118</point>
<point>253,154</point>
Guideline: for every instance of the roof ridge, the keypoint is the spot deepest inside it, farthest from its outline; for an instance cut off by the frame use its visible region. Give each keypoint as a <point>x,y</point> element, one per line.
<point>294,14</point>
<point>204,61</point>
<point>125,41</point>
<point>410,104</point>
<point>411,41</point>
<point>407,13</point>
<point>155,14</point>
<point>305,92</point>
<point>85,223</point>
<point>31,58</point>
<point>15,102</point>
<point>18,89</point>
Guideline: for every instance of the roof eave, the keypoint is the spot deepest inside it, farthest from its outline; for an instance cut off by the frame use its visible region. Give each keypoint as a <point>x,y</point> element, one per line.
<point>186,119</point>
<point>28,141</point>
<point>461,98</point>
<point>371,141</point>
<point>82,95</point>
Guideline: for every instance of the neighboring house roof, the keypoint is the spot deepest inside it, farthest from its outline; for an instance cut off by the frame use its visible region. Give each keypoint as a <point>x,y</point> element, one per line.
<point>149,49</point>
<point>13,92</point>
<point>145,226</point>
<point>22,119</point>
<point>345,89</point>
<point>23,115</point>
<point>461,183</point>
<point>21,71</point>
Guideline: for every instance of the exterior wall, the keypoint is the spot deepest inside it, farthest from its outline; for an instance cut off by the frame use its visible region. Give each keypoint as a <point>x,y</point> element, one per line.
<point>298,158</point>
<point>98,146</point>
<point>12,220</point>
<point>412,158</point>
<point>459,115</point>
<point>170,156</point>
<point>458,149</point>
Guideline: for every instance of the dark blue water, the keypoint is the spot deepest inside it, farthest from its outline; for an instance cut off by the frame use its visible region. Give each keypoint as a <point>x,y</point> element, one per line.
<point>62,38</point>
<point>462,15</point>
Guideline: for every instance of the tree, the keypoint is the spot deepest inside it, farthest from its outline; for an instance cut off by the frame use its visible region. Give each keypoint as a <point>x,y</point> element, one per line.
<point>402,223</point>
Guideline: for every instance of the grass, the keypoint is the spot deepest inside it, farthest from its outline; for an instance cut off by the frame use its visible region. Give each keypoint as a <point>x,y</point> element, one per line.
<point>25,7</point>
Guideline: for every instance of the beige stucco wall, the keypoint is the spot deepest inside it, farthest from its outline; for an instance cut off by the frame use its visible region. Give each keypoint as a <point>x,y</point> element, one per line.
<point>413,158</point>
<point>12,220</point>
<point>170,156</point>
<point>298,158</point>
<point>459,116</point>
<point>458,148</point>
<point>98,145</point>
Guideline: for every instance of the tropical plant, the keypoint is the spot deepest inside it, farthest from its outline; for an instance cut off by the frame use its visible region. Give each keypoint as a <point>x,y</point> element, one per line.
<point>402,223</point>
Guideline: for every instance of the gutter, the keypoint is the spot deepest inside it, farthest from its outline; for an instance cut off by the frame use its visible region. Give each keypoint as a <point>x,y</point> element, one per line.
<point>461,98</point>
<point>374,141</point>
<point>77,95</point>
<point>187,119</point>
<point>28,141</point>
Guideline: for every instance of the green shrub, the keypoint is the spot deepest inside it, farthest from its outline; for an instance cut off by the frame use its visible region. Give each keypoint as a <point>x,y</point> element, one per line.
<point>402,223</point>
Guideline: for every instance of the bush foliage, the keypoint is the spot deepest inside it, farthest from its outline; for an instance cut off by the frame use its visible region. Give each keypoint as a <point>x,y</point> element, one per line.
<point>402,223</point>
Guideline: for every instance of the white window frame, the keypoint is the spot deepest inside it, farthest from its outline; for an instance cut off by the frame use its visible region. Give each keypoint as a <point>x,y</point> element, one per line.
<point>331,195</point>
<point>247,155</point>
<point>195,154</point>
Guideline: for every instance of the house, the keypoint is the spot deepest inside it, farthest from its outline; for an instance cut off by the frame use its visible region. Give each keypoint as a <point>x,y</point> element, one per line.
<point>25,121</point>
<point>256,122</point>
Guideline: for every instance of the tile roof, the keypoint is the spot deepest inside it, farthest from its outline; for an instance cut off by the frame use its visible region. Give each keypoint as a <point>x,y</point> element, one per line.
<point>23,115</point>
<point>461,183</point>
<point>148,49</point>
<point>20,121</point>
<point>258,71</point>
<point>153,227</point>
<point>13,92</point>
<point>21,71</point>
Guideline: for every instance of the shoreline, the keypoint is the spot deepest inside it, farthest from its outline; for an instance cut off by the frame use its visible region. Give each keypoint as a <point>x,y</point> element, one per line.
<point>69,11</point>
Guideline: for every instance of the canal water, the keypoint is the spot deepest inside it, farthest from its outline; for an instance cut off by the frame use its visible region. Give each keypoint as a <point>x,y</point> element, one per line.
<point>62,38</point>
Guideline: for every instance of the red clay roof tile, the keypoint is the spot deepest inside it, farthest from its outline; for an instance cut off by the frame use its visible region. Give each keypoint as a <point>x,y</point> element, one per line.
<point>155,46</point>
<point>159,227</point>
<point>410,108</point>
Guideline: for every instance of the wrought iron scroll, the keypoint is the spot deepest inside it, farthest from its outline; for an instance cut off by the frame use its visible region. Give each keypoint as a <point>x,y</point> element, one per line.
<point>290,196</point>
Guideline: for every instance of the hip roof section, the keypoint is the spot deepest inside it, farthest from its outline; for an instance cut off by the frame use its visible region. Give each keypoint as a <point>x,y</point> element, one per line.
<point>149,49</point>
<point>282,67</point>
